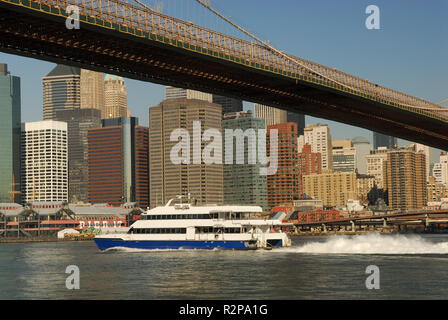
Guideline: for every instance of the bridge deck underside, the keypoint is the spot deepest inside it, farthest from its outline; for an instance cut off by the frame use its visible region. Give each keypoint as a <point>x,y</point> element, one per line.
<point>45,37</point>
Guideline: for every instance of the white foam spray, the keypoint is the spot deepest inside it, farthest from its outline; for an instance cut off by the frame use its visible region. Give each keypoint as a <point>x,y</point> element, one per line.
<point>372,244</point>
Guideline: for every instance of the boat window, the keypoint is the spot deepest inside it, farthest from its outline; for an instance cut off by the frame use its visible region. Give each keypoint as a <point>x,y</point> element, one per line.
<point>157,230</point>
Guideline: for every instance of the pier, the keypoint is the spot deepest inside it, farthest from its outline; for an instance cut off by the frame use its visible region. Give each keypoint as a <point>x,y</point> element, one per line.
<point>418,220</point>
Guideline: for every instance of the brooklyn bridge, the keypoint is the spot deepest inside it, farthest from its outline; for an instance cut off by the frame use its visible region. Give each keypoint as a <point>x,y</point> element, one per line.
<point>136,41</point>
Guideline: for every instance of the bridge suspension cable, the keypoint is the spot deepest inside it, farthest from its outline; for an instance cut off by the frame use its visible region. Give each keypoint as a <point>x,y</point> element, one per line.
<point>206,4</point>
<point>308,65</point>
<point>443,102</point>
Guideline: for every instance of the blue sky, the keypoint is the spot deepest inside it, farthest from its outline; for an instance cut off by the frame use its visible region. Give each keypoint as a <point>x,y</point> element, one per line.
<point>409,53</point>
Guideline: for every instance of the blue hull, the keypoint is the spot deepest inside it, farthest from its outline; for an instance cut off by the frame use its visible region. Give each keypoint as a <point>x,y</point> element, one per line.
<point>108,243</point>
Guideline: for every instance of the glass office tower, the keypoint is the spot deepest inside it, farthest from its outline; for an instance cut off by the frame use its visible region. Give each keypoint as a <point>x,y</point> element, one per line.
<point>10,128</point>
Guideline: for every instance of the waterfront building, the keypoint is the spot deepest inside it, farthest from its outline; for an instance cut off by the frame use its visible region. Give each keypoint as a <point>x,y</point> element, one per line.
<point>181,93</point>
<point>362,147</point>
<point>405,179</point>
<point>318,136</point>
<point>79,121</point>
<point>10,127</point>
<point>44,161</point>
<point>167,179</point>
<point>283,186</point>
<point>435,191</point>
<point>375,165</point>
<point>308,162</point>
<point>115,98</point>
<point>61,90</point>
<point>228,104</point>
<point>270,115</point>
<point>58,216</point>
<point>118,162</point>
<point>92,90</point>
<point>333,188</point>
<point>382,140</point>
<point>344,156</point>
<point>243,184</point>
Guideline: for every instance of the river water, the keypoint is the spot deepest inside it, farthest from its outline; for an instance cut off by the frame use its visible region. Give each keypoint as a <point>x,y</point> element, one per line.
<point>410,267</point>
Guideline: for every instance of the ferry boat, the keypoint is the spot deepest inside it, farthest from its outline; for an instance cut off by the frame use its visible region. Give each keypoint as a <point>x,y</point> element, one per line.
<point>187,226</point>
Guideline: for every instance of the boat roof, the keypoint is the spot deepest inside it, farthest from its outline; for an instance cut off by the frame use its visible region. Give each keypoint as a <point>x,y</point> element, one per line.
<point>190,209</point>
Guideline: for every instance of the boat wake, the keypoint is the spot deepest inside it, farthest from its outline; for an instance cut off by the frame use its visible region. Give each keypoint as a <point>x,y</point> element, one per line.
<point>372,244</point>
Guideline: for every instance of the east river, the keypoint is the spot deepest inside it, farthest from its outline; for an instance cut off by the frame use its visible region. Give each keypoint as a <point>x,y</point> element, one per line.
<point>409,267</point>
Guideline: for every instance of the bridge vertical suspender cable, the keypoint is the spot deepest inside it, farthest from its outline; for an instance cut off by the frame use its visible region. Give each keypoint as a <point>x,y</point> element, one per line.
<point>266,45</point>
<point>206,4</point>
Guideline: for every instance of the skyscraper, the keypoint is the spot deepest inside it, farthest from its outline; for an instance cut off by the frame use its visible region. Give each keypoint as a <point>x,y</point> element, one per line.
<point>427,151</point>
<point>115,98</point>
<point>118,162</point>
<point>228,104</point>
<point>181,93</point>
<point>333,188</point>
<point>243,184</point>
<point>270,115</point>
<point>375,163</point>
<point>344,156</point>
<point>405,179</point>
<point>440,170</point>
<point>79,121</point>
<point>61,90</point>
<point>435,191</point>
<point>318,136</point>
<point>92,90</point>
<point>10,127</point>
<point>382,140</point>
<point>168,179</point>
<point>283,185</point>
<point>362,147</point>
<point>44,161</point>
<point>299,119</point>
<point>309,163</point>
